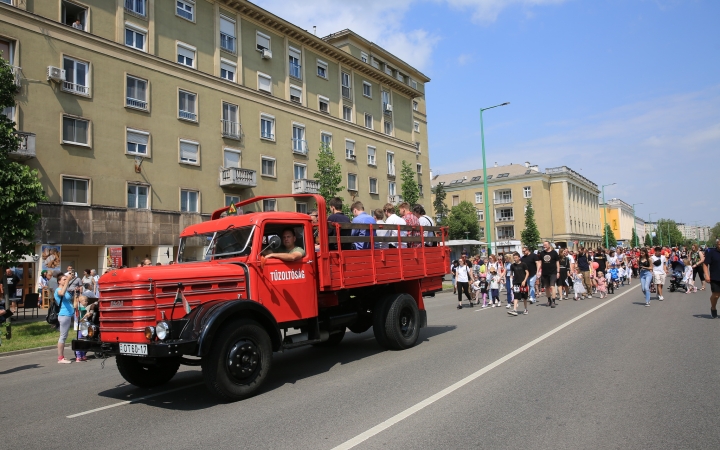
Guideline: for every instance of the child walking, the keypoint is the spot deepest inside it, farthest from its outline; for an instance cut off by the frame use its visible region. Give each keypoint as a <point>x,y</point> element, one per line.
<point>688,277</point>
<point>602,285</point>
<point>578,287</point>
<point>494,288</point>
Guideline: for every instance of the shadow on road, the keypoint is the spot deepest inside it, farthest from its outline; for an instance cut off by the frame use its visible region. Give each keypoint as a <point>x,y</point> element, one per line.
<point>19,368</point>
<point>288,368</point>
<point>702,316</point>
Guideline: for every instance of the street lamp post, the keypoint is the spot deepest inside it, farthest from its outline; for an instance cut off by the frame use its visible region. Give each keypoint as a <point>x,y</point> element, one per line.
<point>649,219</point>
<point>488,232</point>
<point>635,244</point>
<point>607,240</point>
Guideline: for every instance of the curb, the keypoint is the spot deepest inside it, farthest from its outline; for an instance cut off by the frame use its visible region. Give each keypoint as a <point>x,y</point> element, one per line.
<point>30,350</point>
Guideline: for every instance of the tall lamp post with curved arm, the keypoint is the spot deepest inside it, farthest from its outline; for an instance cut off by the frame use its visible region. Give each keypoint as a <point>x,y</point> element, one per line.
<point>488,232</point>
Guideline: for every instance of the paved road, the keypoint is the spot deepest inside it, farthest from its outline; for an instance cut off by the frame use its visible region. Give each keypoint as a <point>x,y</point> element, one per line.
<point>577,376</point>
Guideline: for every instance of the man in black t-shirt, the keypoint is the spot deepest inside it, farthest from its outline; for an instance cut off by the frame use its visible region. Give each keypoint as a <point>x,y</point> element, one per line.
<point>550,264</point>
<point>601,259</point>
<point>532,262</point>
<point>711,266</point>
<point>520,275</point>
<point>336,215</point>
<point>9,283</point>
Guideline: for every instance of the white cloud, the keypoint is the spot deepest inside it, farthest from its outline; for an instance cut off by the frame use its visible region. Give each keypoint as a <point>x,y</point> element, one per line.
<point>485,11</point>
<point>464,59</point>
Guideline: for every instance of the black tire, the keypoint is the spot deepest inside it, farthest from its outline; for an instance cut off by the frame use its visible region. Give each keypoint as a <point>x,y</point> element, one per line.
<point>147,376</point>
<point>672,288</point>
<point>334,339</point>
<point>400,322</point>
<point>379,319</point>
<point>246,345</point>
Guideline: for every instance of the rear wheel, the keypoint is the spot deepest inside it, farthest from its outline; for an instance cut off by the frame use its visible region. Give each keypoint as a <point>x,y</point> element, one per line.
<point>397,322</point>
<point>239,360</point>
<point>147,376</point>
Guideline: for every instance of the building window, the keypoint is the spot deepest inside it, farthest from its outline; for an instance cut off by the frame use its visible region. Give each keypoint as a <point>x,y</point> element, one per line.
<point>267,127</point>
<point>352,182</point>
<point>326,140</point>
<point>185,9</point>
<point>137,196</point>
<point>135,37</point>
<point>368,121</point>
<point>295,66</point>
<point>349,149</point>
<point>230,121</point>
<point>504,214</point>
<point>345,82</point>
<point>75,131</point>
<point>324,104</point>
<point>295,94</point>
<point>301,207</point>
<point>298,140</point>
<point>373,185</point>
<point>299,171</point>
<point>363,57</point>
<point>75,191</point>
<point>262,41</point>
<point>137,142</point>
<point>478,197</point>
<point>388,128</point>
<point>418,168</point>
<point>268,167</point>
<point>231,159</point>
<point>367,89</point>
<point>455,200</point>
<point>227,34</point>
<point>371,153</point>
<point>189,152</point>
<point>400,77</point>
<point>136,7</point>
<point>413,84</point>
<point>415,105</point>
<point>189,201</point>
<point>416,126</point>
<point>503,175</point>
<point>264,83</point>
<point>269,205</point>
<point>420,190</point>
<point>391,163</point>
<point>391,188</point>
<point>227,70</point>
<point>375,63</point>
<point>388,70</point>
<point>506,232</point>
<point>386,102</point>
<point>186,55</point>
<point>322,69</point>
<point>74,15</point>
<point>527,192</point>
<point>504,196</point>
<point>136,93</point>
<point>347,113</point>
<point>77,76</point>
<point>187,108</point>
<point>231,199</point>
<point>480,215</point>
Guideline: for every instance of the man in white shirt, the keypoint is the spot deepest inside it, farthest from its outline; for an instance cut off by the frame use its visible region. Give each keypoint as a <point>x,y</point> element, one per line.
<point>659,270</point>
<point>379,216</point>
<point>425,221</point>
<point>392,219</point>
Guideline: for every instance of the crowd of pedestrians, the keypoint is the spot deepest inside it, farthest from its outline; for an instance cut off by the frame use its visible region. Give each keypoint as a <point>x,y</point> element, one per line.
<point>561,274</point>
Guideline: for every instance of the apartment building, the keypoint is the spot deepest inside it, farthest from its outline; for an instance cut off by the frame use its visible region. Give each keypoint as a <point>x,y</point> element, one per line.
<point>565,203</point>
<point>144,116</point>
<point>621,218</point>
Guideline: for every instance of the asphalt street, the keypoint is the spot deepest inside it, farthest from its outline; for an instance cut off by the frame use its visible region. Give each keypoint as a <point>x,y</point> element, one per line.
<point>578,376</point>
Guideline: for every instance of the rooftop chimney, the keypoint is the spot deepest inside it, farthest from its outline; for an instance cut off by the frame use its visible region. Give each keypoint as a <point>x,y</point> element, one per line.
<point>315,30</point>
<point>527,164</point>
<point>495,163</point>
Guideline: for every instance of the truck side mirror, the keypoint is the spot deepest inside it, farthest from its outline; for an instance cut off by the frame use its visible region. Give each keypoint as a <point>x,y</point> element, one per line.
<point>273,243</point>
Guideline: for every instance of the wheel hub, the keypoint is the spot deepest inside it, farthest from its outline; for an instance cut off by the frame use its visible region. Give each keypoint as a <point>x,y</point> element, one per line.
<point>406,322</point>
<point>243,360</point>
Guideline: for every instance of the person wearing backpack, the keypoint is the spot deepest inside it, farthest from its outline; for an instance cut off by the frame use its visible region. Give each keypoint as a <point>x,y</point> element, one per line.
<point>65,315</point>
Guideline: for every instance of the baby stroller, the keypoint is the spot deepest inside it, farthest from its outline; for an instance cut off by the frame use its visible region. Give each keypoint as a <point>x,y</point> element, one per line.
<point>676,279</point>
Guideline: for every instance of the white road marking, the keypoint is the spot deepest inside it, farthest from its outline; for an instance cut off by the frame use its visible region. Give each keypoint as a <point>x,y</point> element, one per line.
<point>454,387</point>
<point>135,400</point>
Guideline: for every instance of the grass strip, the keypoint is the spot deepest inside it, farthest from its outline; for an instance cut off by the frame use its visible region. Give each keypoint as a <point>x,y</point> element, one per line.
<point>29,335</point>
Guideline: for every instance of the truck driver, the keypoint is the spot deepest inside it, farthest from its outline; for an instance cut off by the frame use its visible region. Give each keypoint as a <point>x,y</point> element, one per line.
<point>288,252</point>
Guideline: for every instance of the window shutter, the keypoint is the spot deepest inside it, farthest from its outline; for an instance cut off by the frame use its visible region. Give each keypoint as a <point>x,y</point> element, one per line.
<point>227,26</point>
<point>137,138</point>
<point>182,51</point>
<point>188,151</point>
<point>264,83</point>
<point>232,159</point>
<point>295,92</point>
<point>295,53</point>
<point>262,41</point>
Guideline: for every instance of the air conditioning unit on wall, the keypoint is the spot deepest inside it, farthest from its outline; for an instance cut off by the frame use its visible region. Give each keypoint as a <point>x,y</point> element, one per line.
<point>266,54</point>
<point>55,74</point>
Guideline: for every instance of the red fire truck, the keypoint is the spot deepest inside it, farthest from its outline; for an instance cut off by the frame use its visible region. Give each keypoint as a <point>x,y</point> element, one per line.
<point>226,307</point>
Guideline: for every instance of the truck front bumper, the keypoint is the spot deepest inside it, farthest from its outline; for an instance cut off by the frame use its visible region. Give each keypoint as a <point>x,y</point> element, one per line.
<point>155,349</point>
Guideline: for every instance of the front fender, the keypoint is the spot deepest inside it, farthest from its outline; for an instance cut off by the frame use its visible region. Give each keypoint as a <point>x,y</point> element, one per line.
<point>205,321</point>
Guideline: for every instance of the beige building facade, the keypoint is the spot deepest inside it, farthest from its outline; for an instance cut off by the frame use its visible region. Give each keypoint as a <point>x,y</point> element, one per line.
<point>144,116</point>
<point>565,203</point>
<point>621,218</point>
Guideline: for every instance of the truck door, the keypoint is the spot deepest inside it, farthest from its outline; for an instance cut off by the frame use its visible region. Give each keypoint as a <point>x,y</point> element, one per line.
<point>288,289</point>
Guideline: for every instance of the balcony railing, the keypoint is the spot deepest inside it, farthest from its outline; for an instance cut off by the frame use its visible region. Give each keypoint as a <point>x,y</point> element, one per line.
<point>187,115</point>
<point>505,219</point>
<point>346,93</point>
<point>76,88</point>
<point>295,70</point>
<point>231,129</point>
<point>395,199</point>
<point>237,177</point>
<point>300,146</point>
<point>227,42</point>
<point>391,170</point>
<point>304,186</point>
<point>16,71</point>
<point>502,201</point>
<point>26,149</point>
<point>135,103</point>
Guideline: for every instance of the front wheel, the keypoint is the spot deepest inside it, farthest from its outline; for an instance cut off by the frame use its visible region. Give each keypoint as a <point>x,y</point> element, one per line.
<point>239,360</point>
<point>147,376</point>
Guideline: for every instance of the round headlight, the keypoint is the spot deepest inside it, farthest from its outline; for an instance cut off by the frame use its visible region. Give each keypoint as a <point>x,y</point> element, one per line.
<point>84,329</point>
<point>93,331</point>
<point>149,333</point>
<point>162,329</point>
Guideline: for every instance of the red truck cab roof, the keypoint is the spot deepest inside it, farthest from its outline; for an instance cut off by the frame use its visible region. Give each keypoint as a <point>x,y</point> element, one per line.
<point>242,220</point>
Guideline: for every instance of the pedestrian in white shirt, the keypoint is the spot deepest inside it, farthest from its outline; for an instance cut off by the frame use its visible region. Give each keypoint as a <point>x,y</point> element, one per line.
<point>393,219</point>
<point>379,216</point>
<point>659,269</point>
<point>425,221</point>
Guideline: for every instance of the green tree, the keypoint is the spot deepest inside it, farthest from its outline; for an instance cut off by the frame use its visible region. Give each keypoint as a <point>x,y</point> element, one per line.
<point>714,234</point>
<point>530,236</point>
<point>671,234</point>
<point>634,240</point>
<point>328,175</point>
<point>20,188</point>
<point>409,186</point>
<point>441,209</point>
<point>648,240</point>
<point>462,220</point>
<point>611,241</point>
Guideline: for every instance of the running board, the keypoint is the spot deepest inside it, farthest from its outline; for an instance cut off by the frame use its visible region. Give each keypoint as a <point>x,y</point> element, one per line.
<point>289,345</point>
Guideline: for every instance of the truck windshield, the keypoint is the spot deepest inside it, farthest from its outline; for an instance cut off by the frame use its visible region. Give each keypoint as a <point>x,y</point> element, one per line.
<point>229,243</point>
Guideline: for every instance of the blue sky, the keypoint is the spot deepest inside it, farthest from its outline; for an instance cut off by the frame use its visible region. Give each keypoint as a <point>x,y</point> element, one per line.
<point>624,91</point>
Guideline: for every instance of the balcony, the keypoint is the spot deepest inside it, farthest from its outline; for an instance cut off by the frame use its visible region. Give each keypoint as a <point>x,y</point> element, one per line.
<point>230,129</point>
<point>505,219</point>
<point>391,170</point>
<point>395,199</point>
<point>235,177</point>
<point>502,201</point>
<point>135,103</point>
<point>26,149</point>
<point>75,88</point>
<point>187,115</point>
<point>16,71</point>
<point>300,146</point>
<point>305,186</point>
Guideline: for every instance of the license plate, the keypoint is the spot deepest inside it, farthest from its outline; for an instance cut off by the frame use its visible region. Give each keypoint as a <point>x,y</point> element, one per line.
<point>133,349</point>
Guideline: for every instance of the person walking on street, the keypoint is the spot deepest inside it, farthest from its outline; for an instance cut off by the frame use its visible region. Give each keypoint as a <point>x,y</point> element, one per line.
<point>550,261</point>
<point>583,267</point>
<point>532,262</point>
<point>659,270</point>
<point>508,274</point>
<point>463,278</point>
<point>697,259</point>
<point>64,298</point>
<point>711,268</point>
<point>8,289</point>
<point>520,288</point>
<point>646,275</point>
